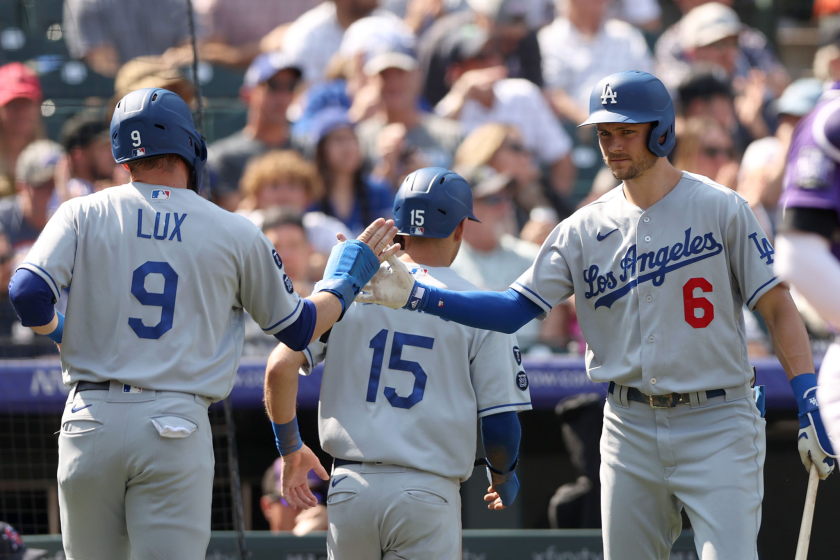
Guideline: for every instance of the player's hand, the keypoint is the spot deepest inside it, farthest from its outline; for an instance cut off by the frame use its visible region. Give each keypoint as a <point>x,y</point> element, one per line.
<point>495,501</point>
<point>814,445</point>
<point>378,236</point>
<point>391,286</point>
<point>294,485</point>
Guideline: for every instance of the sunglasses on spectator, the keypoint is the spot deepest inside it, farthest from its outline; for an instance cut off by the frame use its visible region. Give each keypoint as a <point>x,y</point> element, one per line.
<point>275,85</point>
<point>514,146</point>
<point>495,199</point>
<point>715,151</point>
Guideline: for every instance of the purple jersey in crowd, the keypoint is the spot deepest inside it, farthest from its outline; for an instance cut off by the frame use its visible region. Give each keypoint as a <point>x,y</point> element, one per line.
<point>812,177</point>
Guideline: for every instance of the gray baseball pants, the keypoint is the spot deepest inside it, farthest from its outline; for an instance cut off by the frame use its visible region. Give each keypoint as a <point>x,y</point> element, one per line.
<point>388,512</point>
<point>135,475</point>
<point>706,457</point>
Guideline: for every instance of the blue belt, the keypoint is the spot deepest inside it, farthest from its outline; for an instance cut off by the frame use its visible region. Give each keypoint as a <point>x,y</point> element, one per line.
<point>664,401</point>
<point>344,462</point>
<point>92,386</point>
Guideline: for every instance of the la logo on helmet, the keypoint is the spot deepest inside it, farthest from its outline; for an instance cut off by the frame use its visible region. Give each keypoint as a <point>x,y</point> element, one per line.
<point>608,93</point>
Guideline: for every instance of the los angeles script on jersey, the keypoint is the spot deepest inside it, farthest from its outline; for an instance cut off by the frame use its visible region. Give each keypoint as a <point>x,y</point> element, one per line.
<point>161,229</point>
<point>654,264</point>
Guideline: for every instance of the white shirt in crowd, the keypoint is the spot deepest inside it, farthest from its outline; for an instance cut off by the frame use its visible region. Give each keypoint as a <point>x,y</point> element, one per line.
<point>574,62</point>
<point>519,103</point>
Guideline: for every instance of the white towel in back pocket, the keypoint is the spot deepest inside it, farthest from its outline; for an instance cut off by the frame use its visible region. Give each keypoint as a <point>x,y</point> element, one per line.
<point>173,426</point>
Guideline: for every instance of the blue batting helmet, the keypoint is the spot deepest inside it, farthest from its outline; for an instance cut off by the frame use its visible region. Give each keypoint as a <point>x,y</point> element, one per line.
<point>635,97</point>
<point>432,202</point>
<point>153,122</point>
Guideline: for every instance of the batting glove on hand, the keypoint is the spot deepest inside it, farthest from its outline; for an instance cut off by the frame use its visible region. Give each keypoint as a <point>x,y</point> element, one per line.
<point>392,286</point>
<point>814,445</point>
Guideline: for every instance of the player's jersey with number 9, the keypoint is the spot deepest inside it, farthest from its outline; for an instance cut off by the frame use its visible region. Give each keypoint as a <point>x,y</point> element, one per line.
<point>160,277</point>
<point>406,388</point>
<point>659,292</point>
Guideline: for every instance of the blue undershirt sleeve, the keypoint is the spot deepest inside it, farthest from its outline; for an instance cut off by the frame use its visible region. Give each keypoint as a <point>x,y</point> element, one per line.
<point>505,312</point>
<point>298,335</point>
<point>32,298</point>
<point>500,435</point>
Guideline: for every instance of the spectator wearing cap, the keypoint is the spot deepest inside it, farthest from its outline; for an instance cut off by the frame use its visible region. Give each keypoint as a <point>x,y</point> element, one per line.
<point>504,20</point>
<point>106,34</point>
<point>20,118</point>
<point>349,195</point>
<point>283,178</point>
<point>282,517</point>
<point>151,72</point>
<point>268,90</point>
<point>399,138</point>
<point>24,216</point>
<point>581,47</point>
<point>763,163</point>
<point>490,256</point>
<point>316,35</point>
<point>12,547</point>
<point>481,93</point>
<point>713,32</point>
<point>86,143</point>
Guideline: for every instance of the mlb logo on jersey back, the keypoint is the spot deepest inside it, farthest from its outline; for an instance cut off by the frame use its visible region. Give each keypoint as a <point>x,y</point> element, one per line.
<point>137,152</point>
<point>132,389</point>
<point>160,195</point>
<point>415,230</point>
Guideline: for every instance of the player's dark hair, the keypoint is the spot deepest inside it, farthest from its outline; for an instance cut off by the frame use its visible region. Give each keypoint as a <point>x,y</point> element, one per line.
<point>359,185</point>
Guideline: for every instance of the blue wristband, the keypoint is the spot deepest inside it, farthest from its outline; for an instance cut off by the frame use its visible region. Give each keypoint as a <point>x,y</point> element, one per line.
<point>56,335</point>
<point>801,385</point>
<point>287,437</point>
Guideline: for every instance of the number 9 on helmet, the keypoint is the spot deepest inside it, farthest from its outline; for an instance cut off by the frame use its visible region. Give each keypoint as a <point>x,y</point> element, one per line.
<point>431,202</point>
<point>153,122</point>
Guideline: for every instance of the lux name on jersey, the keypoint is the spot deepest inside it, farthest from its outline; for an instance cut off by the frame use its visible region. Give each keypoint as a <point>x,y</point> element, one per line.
<point>657,263</point>
<point>161,229</point>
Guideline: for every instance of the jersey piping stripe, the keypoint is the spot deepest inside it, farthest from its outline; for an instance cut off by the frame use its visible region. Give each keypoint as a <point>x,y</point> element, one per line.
<point>55,284</point>
<point>759,289</point>
<point>284,319</point>
<point>504,405</point>
<point>535,294</point>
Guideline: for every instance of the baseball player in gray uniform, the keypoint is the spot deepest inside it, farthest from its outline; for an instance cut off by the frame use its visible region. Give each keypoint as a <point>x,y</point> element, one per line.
<point>399,400</point>
<point>661,268</point>
<point>159,281</point>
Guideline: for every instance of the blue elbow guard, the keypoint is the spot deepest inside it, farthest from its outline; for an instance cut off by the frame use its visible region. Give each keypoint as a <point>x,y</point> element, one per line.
<point>57,334</point>
<point>505,312</point>
<point>32,298</point>
<point>500,434</point>
<point>287,437</point>
<point>351,265</point>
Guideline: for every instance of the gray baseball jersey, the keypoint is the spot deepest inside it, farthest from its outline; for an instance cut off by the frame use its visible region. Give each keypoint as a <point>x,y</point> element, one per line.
<point>158,281</point>
<point>659,292</point>
<point>405,389</point>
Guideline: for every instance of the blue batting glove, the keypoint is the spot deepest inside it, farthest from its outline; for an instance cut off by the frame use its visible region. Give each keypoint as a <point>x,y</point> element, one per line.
<point>814,445</point>
<point>351,265</point>
<point>506,485</point>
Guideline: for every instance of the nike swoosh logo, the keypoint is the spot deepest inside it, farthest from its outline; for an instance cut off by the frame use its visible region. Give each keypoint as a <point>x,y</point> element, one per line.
<point>337,480</point>
<point>78,408</point>
<point>602,237</point>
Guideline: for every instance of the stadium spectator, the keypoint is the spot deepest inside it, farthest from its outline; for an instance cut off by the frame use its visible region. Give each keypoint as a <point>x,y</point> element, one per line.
<point>711,31</point>
<point>268,89</point>
<point>705,147</point>
<point>233,29</point>
<point>13,548</point>
<point>481,93</point>
<point>8,317</point>
<point>282,517</point>
<point>25,215</point>
<point>500,147</point>
<point>285,179</point>
<point>88,159</point>
<point>151,71</point>
<point>20,118</point>
<point>583,46</point>
<point>105,34</point>
<point>399,137</point>
<point>316,36</point>
<point>504,20</point>
<point>349,194</point>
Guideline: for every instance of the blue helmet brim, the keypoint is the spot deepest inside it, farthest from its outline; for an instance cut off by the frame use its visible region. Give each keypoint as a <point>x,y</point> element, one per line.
<point>607,116</point>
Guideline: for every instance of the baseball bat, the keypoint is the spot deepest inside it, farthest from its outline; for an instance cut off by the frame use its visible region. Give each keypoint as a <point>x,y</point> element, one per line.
<point>808,514</point>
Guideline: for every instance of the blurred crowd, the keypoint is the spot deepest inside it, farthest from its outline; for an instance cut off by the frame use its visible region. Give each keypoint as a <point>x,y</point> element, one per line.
<point>344,98</point>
